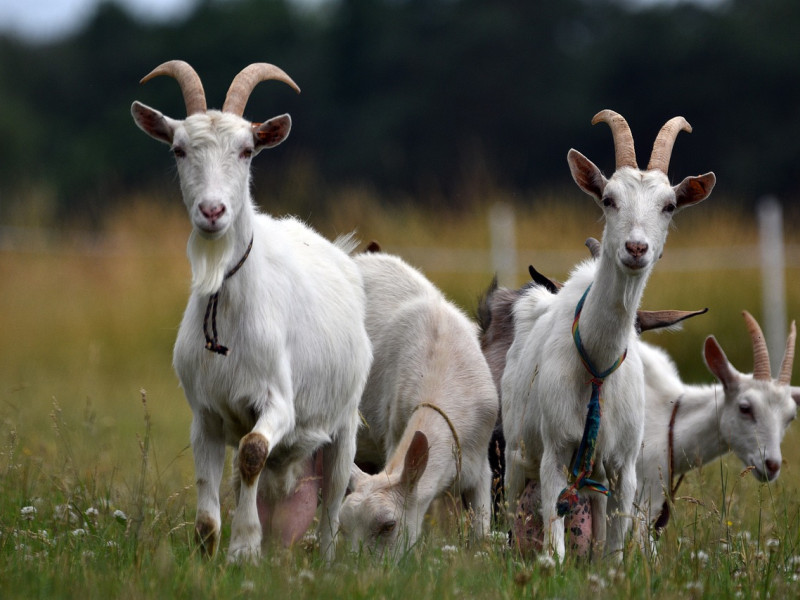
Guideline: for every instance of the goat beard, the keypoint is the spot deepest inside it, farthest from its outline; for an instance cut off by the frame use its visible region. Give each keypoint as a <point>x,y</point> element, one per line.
<point>209,260</point>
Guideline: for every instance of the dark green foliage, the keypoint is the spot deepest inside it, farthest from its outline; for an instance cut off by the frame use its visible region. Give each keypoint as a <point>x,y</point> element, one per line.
<point>426,98</point>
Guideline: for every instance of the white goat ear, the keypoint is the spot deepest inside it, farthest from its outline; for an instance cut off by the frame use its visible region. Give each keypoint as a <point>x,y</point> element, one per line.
<point>718,364</point>
<point>357,476</point>
<point>153,122</point>
<point>586,174</point>
<point>796,394</point>
<point>271,133</point>
<point>694,189</point>
<point>415,462</point>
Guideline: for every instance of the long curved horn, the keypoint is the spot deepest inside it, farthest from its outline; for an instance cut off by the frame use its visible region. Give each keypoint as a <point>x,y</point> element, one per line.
<point>191,86</point>
<point>247,79</point>
<point>662,148</point>
<point>761,369</point>
<point>623,139</point>
<point>785,377</point>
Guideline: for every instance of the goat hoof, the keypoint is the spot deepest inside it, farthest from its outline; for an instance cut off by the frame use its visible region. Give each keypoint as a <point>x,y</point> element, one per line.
<point>207,536</point>
<point>253,452</point>
<point>244,555</point>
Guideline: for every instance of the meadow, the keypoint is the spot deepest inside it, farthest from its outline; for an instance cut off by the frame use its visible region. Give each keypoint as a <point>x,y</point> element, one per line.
<point>96,485</point>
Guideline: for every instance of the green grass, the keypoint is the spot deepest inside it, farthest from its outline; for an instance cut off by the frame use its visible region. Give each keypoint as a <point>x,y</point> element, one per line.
<point>85,332</point>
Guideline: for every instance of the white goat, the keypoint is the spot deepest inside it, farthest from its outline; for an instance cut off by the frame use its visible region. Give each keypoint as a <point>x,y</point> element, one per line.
<point>545,384</point>
<point>429,407</point>
<point>699,422</point>
<point>292,312</point>
<point>690,425</point>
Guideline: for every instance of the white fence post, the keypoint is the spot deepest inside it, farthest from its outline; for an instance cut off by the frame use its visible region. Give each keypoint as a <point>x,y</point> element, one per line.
<point>503,240</point>
<point>770,226</point>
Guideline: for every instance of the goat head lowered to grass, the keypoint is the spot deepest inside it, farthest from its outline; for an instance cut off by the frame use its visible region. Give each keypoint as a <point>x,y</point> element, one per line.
<point>289,306</point>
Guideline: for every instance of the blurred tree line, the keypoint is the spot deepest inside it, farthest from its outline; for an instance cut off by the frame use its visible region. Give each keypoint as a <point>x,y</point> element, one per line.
<point>414,98</point>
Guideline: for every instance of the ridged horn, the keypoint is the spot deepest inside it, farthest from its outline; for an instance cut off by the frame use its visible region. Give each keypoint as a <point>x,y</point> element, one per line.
<point>191,86</point>
<point>665,140</point>
<point>761,368</point>
<point>247,79</point>
<point>785,377</point>
<point>623,139</point>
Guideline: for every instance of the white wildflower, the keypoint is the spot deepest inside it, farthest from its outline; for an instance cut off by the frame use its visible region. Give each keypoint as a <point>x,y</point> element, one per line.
<point>64,512</point>
<point>546,563</point>
<point>447,549</point>
<point>701,556</point>
<point>306,575</point>
<point>92,513</point>
<point>112,544</point>
<point>499,538</point>
<point>482,555</point>
<point>78,532</point>
<point>120,516</point>
<point>248,586</point>
<point>794,562</point>
<point>596,582</point>
<point>28,512</point>
<point>694,586</point>
<point>773,544</point>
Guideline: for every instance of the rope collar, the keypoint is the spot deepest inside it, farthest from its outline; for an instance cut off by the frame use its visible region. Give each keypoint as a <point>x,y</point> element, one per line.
<point>583,464</point>
<point>452,430</point>
<point>212,343</point>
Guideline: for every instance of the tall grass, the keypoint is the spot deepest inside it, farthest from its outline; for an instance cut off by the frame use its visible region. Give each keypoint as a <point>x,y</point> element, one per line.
<point>96,492</point>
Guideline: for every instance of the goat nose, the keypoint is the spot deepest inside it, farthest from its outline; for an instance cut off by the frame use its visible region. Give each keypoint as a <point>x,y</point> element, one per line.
<point>212,210</point>
<point>636,249</point>
<point>773,466</point>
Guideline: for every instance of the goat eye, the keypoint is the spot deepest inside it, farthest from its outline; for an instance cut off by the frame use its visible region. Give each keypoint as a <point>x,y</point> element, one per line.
<point>246,153</point>
<point>669,208</point>
<point>609,203</point>
<point>179,152</point>
<point>746,410</point>
<point>386,527</point>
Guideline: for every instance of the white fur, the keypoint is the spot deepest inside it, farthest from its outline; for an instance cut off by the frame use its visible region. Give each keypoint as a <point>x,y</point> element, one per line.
<point>426,351</point>
<point>292,317</point>
<point>545,387</point>
<point>749,418</point>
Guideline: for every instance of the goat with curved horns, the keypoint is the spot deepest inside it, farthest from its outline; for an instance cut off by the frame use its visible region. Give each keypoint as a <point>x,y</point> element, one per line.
<point>544,391</point>
<point>290,306</point>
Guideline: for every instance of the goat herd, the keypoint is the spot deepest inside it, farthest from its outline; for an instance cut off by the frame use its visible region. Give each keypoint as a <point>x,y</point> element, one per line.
<point>309,359</point>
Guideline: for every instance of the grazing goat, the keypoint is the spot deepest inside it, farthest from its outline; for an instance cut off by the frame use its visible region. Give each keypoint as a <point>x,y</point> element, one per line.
<point>589,326</point>
<point>429,407</point>
<point>289,304</point>
<point>689,425</point>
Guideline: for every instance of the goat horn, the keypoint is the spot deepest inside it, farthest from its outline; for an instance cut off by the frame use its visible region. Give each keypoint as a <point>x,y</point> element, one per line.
<point>761,368</point>
<point>662,148</point>
<point>623,139</point>
<point>191,86</point>
<point>593,245</point>
<point>785,377</point>
<point>247,79</point>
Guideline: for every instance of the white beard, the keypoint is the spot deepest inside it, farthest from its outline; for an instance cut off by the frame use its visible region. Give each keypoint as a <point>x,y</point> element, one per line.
<point>209,259</point>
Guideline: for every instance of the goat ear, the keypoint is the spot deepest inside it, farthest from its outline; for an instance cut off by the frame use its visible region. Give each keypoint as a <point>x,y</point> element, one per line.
<point>586,174</point>
<point>694,189</point>
<point>415,462</point>
<point>718,364</point>
<point>153,122</point>
<point>271,133</point>
<point>647,320</point>
<point>357,477</point>
<point>796,394</point>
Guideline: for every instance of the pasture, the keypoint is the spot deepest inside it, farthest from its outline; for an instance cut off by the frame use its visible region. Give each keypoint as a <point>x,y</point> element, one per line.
<point>96,475</point>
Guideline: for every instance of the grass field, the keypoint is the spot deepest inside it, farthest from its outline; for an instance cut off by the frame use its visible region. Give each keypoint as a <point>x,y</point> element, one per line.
<point>96,484</point>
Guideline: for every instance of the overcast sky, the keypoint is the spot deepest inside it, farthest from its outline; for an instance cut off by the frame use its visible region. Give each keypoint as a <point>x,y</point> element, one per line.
<point>46,19</point>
